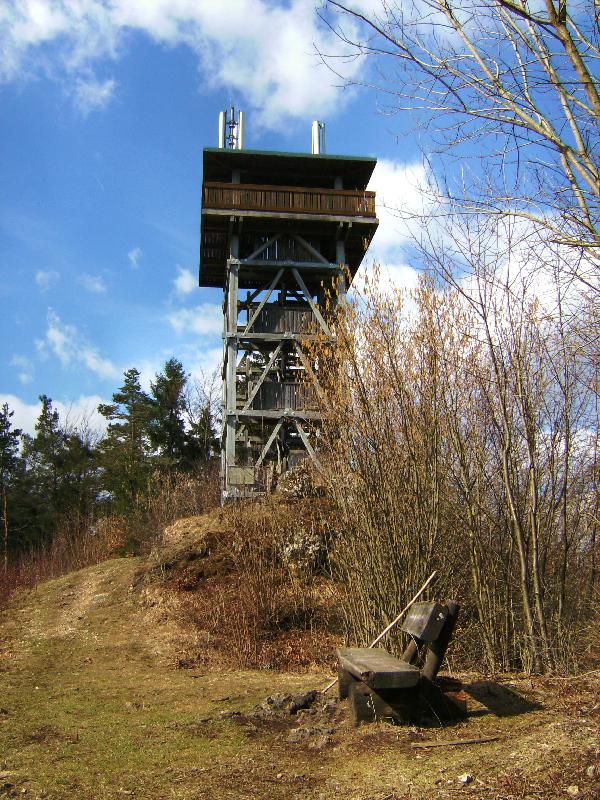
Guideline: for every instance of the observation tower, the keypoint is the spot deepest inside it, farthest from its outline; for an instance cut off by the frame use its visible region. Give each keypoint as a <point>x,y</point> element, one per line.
<point>279,232</point>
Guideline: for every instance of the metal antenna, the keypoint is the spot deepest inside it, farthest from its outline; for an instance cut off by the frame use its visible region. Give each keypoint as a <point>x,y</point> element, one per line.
<point>231,131</point>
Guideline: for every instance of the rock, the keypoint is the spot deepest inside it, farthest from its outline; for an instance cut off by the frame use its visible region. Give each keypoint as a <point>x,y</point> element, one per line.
<point>304,548</point>
<point>592,771</point>
<point>465,779</point>
<point>330,707</point>
<point>319,736</point>
<point>573,791</point>
<point>287,703</point>
<point>302,701</point>
<point>296,482</point>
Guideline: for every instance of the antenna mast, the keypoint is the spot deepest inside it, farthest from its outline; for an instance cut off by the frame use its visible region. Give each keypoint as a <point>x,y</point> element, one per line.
<point>231,130</point>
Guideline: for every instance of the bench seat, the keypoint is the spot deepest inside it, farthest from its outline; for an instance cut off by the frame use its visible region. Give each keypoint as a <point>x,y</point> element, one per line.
<point>377,668</point>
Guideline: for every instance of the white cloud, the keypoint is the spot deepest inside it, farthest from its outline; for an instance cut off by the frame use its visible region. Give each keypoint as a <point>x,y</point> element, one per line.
<point>279,75</point>
<point>134,257</point>
<point>206,363</point>
<point>72,348</point>
<point>92,283</point>
<point>84,409</point>
<point>402,201</point>
<point>25,367</point>
<point>45,279</point>
<point>91,94</point>
<point>204,319</point>
<point>185,282</point>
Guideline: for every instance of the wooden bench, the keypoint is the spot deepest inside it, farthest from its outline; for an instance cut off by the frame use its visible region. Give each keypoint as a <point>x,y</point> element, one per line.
<point>380,686</point>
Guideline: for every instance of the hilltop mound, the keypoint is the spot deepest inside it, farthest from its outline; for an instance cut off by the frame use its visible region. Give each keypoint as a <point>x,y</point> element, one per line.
<point>94,706</point>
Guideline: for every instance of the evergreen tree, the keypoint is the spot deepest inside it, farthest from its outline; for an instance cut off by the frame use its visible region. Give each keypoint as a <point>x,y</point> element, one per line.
<point>10,469</point>
<point>60,478</point>
<point>125,450</point>
<point>43,456</point>
<point>44,452</point>
<point>167,430</point>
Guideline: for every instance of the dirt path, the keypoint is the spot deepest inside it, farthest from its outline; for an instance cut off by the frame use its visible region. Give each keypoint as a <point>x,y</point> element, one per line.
<point>92,706</point>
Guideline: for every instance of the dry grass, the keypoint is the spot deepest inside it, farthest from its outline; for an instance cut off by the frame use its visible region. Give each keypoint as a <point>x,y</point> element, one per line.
<point>236,581</point>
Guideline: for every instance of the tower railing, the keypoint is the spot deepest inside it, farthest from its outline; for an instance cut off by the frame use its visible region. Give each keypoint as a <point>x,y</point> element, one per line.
<point>299,200</point>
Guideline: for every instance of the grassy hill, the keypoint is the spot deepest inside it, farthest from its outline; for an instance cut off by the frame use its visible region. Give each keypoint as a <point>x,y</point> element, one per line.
<point>94,704</point>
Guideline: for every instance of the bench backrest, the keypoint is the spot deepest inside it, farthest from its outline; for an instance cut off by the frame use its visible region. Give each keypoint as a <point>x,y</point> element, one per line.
<point>425,621</point>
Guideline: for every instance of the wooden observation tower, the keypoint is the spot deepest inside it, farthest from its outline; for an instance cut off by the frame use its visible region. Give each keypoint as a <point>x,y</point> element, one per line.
<point>278,232</point>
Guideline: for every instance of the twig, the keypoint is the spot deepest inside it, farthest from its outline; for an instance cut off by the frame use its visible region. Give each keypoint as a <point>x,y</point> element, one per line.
<point>391,625</point>
<point>454,742</point>
<point>575,677</point>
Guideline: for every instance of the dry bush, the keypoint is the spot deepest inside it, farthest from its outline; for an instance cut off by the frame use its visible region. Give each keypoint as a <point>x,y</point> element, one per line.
<point>170,496</point>
<point>260,608</point>
<point>462,440</point>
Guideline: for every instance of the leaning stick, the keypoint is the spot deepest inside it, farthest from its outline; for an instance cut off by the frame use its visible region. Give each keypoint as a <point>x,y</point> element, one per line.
<point>453,742</point>
<point>391,625</point>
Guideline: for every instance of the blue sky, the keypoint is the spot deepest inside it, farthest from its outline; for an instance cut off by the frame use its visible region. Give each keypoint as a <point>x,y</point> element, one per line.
<point>105,110</point>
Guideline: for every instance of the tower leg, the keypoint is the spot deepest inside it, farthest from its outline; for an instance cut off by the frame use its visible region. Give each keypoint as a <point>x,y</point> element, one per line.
<point>231,364</point>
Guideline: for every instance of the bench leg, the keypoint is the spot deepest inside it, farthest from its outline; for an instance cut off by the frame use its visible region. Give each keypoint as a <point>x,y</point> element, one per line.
<point>438,704</point>
<point>345,679</point>
<point>367,706</point>
<point>361,704</point>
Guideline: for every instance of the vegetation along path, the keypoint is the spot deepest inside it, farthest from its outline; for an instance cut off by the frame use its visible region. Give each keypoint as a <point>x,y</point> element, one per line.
<point>92,705</point>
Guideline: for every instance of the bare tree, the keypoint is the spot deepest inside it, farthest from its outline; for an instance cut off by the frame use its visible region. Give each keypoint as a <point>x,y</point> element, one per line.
<point>507,82</point>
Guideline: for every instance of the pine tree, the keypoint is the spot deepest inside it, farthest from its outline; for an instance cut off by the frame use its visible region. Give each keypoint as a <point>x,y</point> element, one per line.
<point>167,430</point>
<point>60,478</point>
<point>10,467</point>
<point>44,451</point>
<point>125,450</point>
<point>43,456</point>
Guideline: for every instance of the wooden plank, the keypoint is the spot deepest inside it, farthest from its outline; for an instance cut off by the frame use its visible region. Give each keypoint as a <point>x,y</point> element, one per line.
<point>339,216</point>
<point>377,668</point>
<point>324,267</point>
<point>286,413</point>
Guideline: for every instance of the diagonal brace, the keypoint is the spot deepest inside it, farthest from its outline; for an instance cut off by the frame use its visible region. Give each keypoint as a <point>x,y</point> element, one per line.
<point>263,376</point>
<point>311,302</point>
<point>310,249</point>
<point>270,441</point>
<point>261,305</point>
<point>309,369</point>
<point>262,248</point>
<point>307,444</point>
